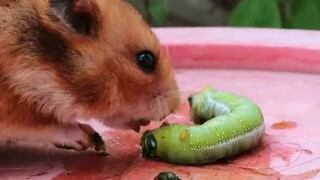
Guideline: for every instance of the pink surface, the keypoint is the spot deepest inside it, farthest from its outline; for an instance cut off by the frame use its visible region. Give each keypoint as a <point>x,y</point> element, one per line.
<point>243,48</point>
<point>290,103</point>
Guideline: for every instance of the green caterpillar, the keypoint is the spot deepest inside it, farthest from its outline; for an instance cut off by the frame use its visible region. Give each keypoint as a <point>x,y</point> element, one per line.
<point>226,125</point>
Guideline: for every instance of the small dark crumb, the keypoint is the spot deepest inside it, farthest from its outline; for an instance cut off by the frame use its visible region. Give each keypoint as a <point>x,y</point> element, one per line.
<point>166,176</point>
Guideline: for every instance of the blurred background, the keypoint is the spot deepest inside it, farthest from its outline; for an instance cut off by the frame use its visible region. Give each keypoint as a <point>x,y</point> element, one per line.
<point>291,14</point>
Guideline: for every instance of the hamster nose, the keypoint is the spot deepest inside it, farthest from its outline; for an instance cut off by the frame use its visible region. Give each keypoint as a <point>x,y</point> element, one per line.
<point>190,99</point>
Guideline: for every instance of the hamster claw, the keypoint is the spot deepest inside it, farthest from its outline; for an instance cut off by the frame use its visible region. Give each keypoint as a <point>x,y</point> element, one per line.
<point>95,138</point>
<point>98,142</point>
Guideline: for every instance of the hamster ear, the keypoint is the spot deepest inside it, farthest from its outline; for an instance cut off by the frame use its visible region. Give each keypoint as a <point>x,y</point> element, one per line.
<point>81,15</point>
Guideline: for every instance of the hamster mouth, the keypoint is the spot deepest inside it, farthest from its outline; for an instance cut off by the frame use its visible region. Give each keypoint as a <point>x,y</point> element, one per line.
<point>136,125</point>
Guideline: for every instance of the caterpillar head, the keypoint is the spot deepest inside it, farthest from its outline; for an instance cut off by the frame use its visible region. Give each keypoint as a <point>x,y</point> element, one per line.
<point>149,144</point>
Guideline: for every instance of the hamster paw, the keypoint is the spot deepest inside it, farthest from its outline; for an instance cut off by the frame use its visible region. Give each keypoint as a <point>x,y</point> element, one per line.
<point>95,138</point>
<point>79,138</point>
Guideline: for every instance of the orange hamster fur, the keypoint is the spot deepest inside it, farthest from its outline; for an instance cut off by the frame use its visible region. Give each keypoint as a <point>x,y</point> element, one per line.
<point>64,60</point>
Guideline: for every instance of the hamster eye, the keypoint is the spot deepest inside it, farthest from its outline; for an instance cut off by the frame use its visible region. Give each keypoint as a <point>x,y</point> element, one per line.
<point>146,60</point>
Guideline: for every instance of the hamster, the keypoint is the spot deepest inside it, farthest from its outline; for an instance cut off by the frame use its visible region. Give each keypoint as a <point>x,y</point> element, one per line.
<point>64,60</point>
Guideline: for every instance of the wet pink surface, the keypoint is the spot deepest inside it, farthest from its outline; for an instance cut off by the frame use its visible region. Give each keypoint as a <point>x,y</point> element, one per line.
<point>290,103</point>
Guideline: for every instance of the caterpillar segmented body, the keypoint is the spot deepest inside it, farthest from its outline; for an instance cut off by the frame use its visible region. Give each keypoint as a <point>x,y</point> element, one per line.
<point>226,124</point>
